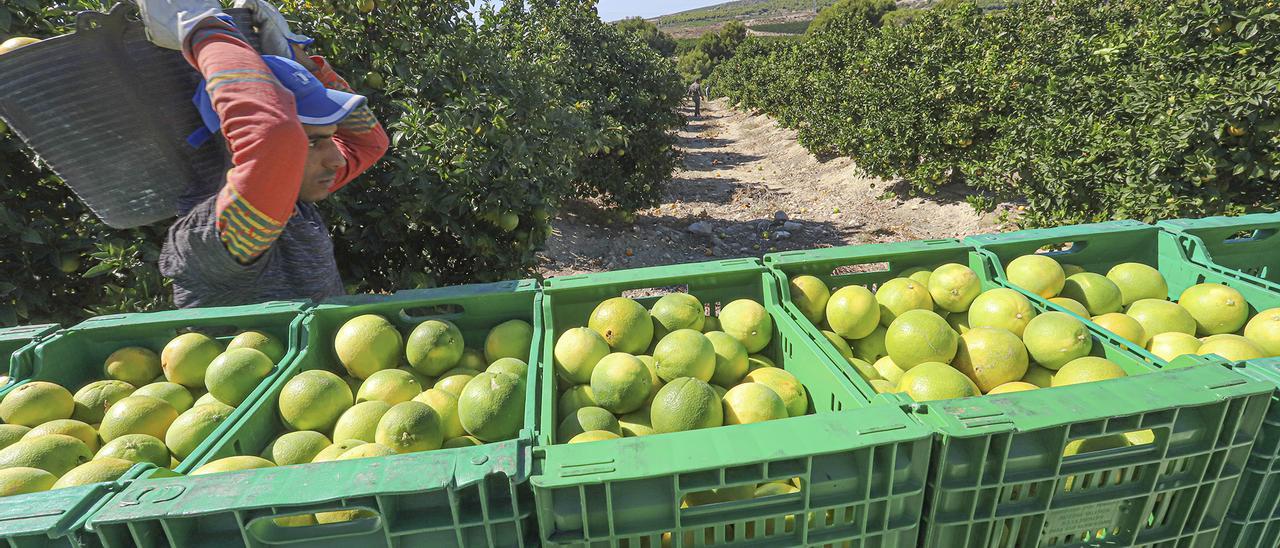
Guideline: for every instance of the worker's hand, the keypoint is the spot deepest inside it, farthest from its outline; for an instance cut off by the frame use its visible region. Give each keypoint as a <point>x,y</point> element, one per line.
<point>168,22</point>
<point>273,30</point>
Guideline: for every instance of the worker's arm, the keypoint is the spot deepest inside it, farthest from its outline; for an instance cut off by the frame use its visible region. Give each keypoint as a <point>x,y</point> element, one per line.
<point>360,137</point>
<point>267,143</point>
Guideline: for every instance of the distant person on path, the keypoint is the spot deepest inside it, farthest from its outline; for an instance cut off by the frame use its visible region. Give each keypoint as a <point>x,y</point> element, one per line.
<point>296,133</point>
<point>695,91</point>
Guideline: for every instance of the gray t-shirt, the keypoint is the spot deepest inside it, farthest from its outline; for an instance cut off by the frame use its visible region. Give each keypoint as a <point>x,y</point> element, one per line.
<point>300,265</point>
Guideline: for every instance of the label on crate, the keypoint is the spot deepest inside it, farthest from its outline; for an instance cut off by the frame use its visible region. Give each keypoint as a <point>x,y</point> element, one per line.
<point>1086,520</point>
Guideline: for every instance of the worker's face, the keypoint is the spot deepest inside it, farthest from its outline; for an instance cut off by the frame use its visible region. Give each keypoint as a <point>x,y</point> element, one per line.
<point>323,162</point>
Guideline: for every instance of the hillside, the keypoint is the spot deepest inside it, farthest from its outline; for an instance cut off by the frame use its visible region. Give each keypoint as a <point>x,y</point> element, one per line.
<point>791,14</point>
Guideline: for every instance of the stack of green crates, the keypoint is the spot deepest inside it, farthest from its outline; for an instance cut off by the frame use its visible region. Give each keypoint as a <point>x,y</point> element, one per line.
<point>472,496</point>
<point>1245,249</point>
<point>74,357</point>
<point>999,476</point>
<point>861,467</point>
<point>1253,517</point>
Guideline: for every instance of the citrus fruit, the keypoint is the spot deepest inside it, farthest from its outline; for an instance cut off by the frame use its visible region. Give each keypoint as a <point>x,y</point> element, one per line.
<point>953,287</point>
<point>866,370</point>
<point>655,382</point>
<point>747,321</point>
<point>36,402</point>
<point>1264,331</point>
<point>636,423</point>
<point>299,447</point>
<point>594,435</point>
<point>852,312</point>
<point>1138,281</point>
<point>263,342</point>
<point>1087,369</point>
<point>959,323</point>
<point>900,295</point>
<point>360,422</point>
<point>1002,308</point>
<point>69,427</point>
<point>621,383</point>
<point>710,323</point>
<point>366,450</point>
<point>991,357</point>
<point>11,433</point>
<point>204,399</point>
<point>137,415</point>
<point>134,365</point>
<point>920,336</point>
<point>1038,376</point>
<point>461,441</point>
<point>313,400</point>
<point>232,464</point>
<point>54,453</point>
<point>841,346</point>
<point>888,370</point>
<point>409,427</point>
<point>15,43</point>
<point>731,359</point>
<point>1071,305</point>
<point>177,395</point>
<point>92,401</point>
<point>1168,346</point>
<point>510,338</point>
<point>94,471</point>
<point>471,359</point>
<point>389,385</point>
<point>186,357</point>
<point>367,344</point>
<point>786,385</point>
<point>1098,294</point>
<point>936,381</point>
<point>870,347</point>
<point>434,346</point>
<point>454,380</point>
<point>1231,347</point>
<point>577,352</point>
<point>1071,269</point>
<point>20,480</point>
<point>1015,386</point>
<point>336,450</point>
<point>1123,325</point>
<point>1160,316</point>
<point>586,420</point>
<point>624,324</point>
<point>445,405</point>
<point>682,353</point>
<point>1038,274</point>
<point>1055,338</point>
<point>810,295</point>
<point>676,311</point>
<point>918,273</point>
<point>574,398</point>
<point>1215,307</point>
<point>752,402</point>
<point>233,375</point>
<point>491,406</point>
<point>757,361</point>
<point>193,426</point>
<point>683,404</point>
<point>513,366</point>
<point>882,386</point>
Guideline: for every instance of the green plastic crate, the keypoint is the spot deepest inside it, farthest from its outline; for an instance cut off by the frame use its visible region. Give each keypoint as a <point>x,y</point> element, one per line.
<point>1254,520</point>
<point>1098,247</point>
<point>74,356</point>
<point>861,467</point>
<point>14,339</point>
<point>474,496</point>
<point>1212,242</point>
<point>999,477</point>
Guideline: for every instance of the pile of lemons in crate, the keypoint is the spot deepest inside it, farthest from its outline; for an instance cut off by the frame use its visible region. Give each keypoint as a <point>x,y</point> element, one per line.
<point>150,408</point>
<point>934,334</point>
<point>633,371</point>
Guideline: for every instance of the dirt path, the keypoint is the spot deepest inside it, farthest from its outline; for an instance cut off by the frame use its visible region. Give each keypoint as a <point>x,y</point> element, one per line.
<point>748,188</point>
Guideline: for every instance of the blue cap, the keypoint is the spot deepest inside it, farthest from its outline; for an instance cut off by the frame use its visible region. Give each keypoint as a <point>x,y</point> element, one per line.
<point>317,105</point>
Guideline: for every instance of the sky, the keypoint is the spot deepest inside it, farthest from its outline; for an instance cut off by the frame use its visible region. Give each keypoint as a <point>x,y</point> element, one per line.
<point>613,10</point>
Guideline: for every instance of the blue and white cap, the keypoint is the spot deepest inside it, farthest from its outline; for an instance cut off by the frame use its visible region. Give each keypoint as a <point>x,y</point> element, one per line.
<point>317,105</point>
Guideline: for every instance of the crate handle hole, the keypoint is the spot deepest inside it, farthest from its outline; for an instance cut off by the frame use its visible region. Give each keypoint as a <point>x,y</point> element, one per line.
<point>1246,236</point>
<point>1062,248</point>
<point>419,314</point>
<point>292,526</point>
<point>863,268</point>
<point>645,292</point>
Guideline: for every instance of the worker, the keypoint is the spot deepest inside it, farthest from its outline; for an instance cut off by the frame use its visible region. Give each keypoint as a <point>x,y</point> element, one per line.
<point>695,91</point>
<point>296,133</point>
